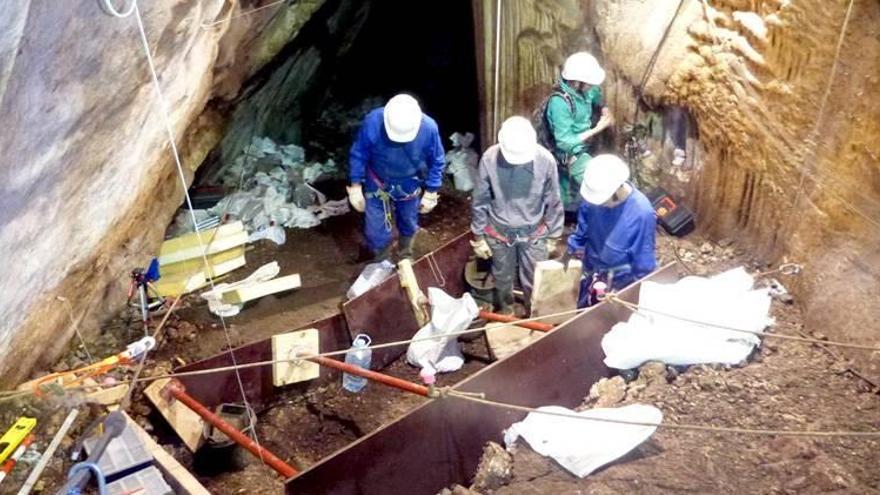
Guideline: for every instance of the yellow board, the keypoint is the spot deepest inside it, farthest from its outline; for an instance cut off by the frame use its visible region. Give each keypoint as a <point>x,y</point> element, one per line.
<point>181,283</point>
<point>15,435</point>
<point>288,346</point>
<point>214,241</point>
<point>221,263</point>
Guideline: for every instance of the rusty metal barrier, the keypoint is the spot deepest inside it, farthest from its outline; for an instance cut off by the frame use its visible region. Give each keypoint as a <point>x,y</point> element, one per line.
<point>440,442</point>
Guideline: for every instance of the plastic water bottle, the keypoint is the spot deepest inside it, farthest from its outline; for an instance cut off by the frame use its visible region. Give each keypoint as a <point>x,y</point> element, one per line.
<point>358,356</point>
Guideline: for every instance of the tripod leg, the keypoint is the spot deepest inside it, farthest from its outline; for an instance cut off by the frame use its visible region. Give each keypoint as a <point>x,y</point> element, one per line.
<point>142,292</point>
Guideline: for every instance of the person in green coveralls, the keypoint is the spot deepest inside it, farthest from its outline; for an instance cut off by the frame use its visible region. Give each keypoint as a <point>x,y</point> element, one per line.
<point>575,114</point>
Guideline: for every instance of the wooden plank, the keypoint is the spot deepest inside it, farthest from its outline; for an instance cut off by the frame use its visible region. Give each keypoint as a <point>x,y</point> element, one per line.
<point>181,480</point>
<point>245,294</point>
<point>555,289</point>
<point>410,285</point>
<point>288,345</point>
<point>504,340</point>
<point>222,262</point>
<point>183,420</point>
<point>107,396</point>
<point>214,240</point>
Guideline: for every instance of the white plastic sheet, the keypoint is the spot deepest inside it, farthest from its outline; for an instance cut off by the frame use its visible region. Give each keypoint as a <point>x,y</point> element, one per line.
<point>371,276</point>
<point>448,315</point>
<point>273,233</point>
<point>582,446</point>
<point>461,161</point>
<point>726,299</point>
<point>214,296</point>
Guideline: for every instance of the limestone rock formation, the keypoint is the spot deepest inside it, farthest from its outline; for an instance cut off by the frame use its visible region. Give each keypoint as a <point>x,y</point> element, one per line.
<point>89,183</point>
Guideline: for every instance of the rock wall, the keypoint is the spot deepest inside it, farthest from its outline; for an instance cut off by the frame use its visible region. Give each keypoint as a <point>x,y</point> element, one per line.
<point>753,74</point>
<point>88,181</point>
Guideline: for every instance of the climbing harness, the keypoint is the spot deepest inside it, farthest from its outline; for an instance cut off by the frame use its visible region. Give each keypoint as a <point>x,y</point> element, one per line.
<point>516,235</point>
<point>388,194</point>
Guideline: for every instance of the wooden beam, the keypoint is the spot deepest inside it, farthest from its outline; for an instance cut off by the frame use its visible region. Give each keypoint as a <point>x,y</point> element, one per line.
<point>183,420</point>
<point>221,263</point>
<point>555,289</point>
<point>245,294</point>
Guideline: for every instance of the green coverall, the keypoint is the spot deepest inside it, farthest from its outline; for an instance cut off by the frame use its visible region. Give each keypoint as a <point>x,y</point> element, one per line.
<point>565,126</point>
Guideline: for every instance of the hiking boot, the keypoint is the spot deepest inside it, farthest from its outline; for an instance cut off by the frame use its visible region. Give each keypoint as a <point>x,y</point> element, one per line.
<point>405,245</point>
<point>382,255</point>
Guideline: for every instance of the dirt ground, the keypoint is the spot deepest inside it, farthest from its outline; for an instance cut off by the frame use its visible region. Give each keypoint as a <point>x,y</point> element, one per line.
<point>300,427</point>
<point>786,386</point>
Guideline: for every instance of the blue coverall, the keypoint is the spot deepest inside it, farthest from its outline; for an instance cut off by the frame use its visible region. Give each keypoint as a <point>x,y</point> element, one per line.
<point>393,175</point>
<point>618,238</point>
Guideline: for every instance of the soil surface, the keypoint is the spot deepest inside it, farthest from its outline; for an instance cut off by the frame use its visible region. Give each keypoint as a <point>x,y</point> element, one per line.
<point>785,386</point>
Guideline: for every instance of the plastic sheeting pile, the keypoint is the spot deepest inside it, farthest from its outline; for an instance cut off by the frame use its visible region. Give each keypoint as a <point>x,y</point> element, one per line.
<point>461,161</point>
<point>582,446</point>
<point>277,189</point>
<point>372,275</point>
<point>727,299</point>
<point>448,315</point>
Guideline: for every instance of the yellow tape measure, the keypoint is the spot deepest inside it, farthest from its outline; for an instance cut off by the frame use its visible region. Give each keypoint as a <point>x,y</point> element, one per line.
<point>15,435</point>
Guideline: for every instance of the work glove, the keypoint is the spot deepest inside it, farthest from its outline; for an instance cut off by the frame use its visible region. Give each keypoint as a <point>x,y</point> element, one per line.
<point>356,197</point>
<point>429,201</point>
<point>481,249</point>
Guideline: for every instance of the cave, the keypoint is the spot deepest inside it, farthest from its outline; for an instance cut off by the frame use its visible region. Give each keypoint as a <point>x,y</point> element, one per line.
<point>759,116</point>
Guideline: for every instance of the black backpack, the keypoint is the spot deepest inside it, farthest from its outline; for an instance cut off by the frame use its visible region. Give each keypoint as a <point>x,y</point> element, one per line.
<point>542,125</point>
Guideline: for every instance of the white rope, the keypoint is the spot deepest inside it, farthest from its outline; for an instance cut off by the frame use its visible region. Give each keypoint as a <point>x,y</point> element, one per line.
<point>163,106</point>
<point>819,117</point>
<point>495,103</point>
<point>110,9</point>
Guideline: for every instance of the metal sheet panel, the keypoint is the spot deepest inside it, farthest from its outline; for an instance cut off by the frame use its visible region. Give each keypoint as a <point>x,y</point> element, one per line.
<point>440,442</point>
<point>218,388</point>
<point>384,312</point>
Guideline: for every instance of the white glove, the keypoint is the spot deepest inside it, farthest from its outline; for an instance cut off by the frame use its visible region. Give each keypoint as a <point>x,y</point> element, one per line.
<point>481,249</point>
<point>429,201</point>
<point>356,197</point>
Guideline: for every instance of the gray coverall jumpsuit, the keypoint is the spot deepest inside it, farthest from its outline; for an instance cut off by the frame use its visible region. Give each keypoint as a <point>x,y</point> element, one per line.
<point>516,208</point>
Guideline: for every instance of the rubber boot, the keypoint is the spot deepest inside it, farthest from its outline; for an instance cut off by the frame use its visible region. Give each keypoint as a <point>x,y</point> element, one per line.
<point>382,255</point>
<point>405,245</point>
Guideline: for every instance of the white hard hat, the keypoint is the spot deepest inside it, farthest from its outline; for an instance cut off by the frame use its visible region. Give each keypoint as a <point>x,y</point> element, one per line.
<point>402,116</point>
<point>604,175</point>
<point>583,67</point>
<point>518,140</point>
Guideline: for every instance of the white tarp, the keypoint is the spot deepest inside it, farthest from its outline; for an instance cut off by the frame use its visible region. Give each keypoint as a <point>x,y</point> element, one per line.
<point>282,194</point>
<point>726,299</point>
<point>582,446</point>
<point>448,315</point>
<point>372,275</point>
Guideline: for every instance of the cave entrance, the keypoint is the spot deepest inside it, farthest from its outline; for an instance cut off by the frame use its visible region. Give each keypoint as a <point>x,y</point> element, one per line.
<point>426,49</point>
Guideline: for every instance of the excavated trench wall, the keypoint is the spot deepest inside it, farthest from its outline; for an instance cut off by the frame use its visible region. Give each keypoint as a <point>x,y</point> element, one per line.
<point>752,73</point>
<point>88,181</point>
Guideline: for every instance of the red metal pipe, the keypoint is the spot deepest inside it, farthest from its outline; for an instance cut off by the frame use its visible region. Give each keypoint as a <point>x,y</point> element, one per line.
<point>371,375</point>
<point>177,391</point>
<point>531,325</point>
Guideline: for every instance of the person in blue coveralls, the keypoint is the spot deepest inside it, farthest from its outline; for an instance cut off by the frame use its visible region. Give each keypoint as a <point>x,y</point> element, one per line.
<point>615,231</point>
<point>395,170</point>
